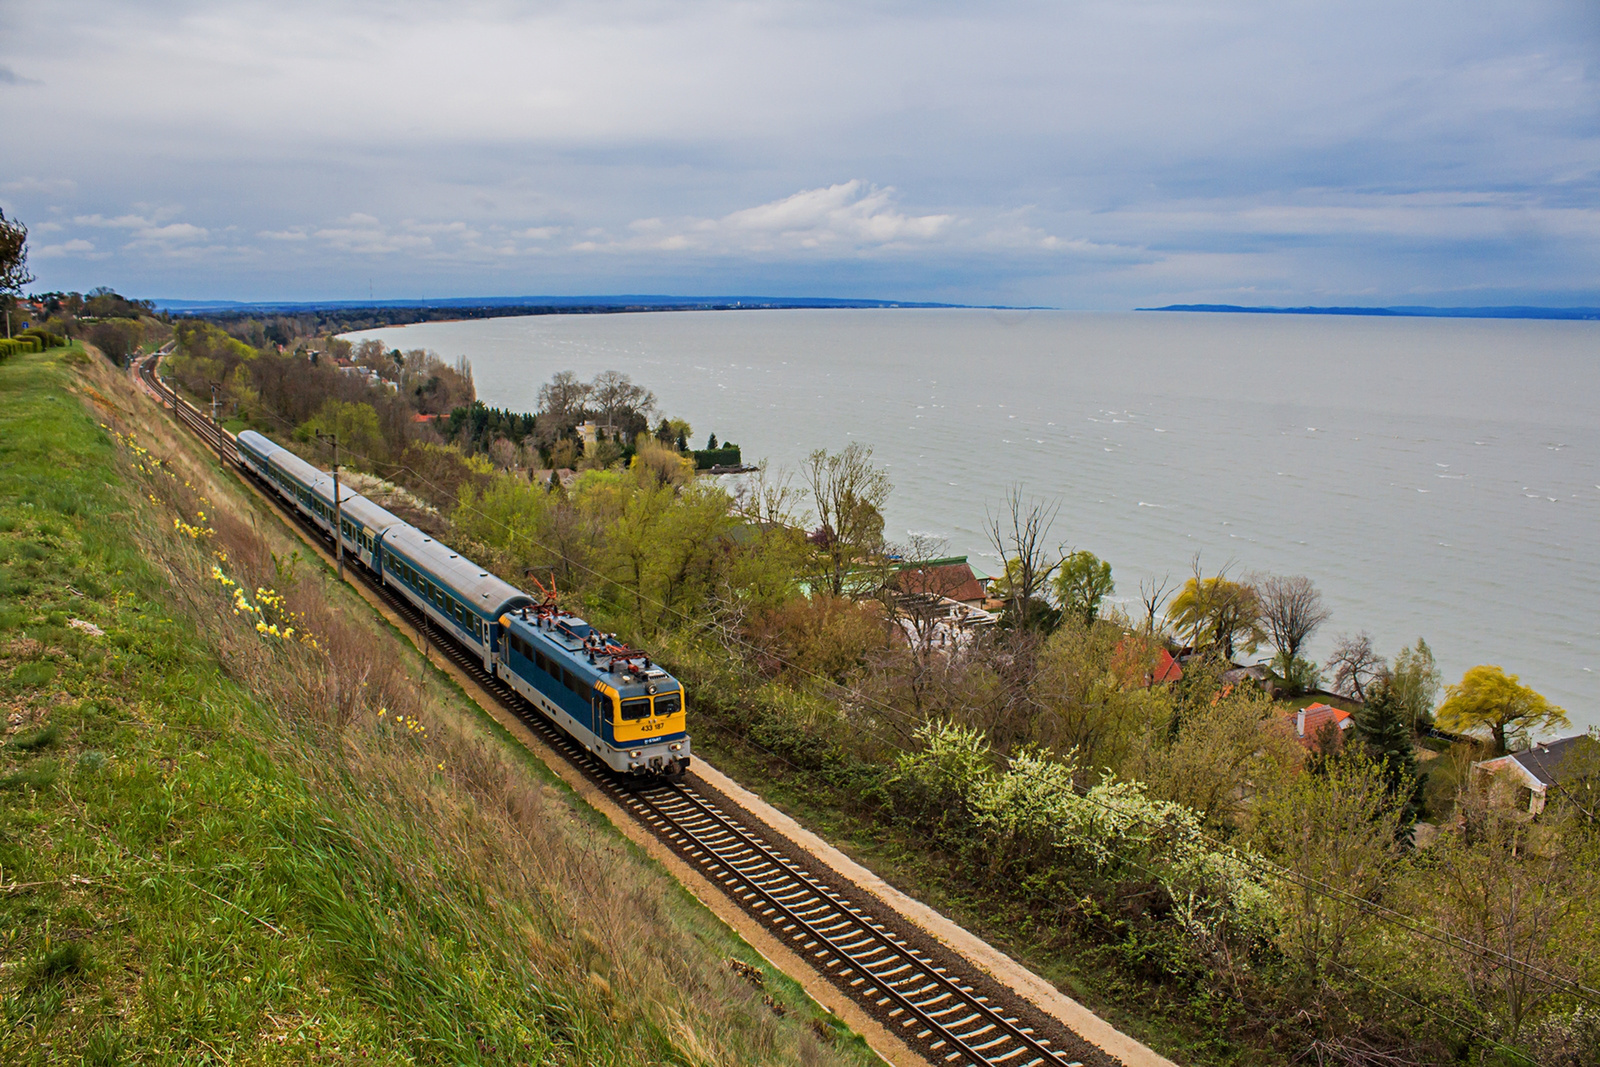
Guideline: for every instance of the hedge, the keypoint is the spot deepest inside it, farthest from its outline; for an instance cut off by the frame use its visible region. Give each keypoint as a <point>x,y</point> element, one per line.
<point>45,337</point>
<point>30,340</point>
<point>726,456</point>
<point>18,344</point>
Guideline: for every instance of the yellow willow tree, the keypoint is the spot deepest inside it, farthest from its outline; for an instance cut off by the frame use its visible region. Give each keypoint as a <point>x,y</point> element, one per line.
<point>1487,698</point>
<point>1217,613</point>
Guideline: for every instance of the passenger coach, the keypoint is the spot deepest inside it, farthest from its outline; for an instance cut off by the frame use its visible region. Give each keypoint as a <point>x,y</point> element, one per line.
<point>311,492</point>
<point>622,708</point>
<point>463,598</point>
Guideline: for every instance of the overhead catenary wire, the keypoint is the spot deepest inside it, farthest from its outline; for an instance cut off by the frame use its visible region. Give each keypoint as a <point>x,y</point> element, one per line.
<point>1256,862</point>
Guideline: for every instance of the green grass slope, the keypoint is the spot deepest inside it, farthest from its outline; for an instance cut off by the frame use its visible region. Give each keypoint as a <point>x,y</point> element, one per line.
<point>242,822</point>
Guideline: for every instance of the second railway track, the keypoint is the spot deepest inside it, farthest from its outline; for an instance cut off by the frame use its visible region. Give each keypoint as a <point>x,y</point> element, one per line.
<point>931,999</point>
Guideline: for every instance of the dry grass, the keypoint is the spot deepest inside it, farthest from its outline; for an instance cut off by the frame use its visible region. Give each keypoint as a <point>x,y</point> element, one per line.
<point>412,883</point>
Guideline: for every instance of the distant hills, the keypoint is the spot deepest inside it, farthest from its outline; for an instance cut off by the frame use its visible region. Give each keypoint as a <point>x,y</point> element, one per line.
<point>396,312</point>
<point>1399,312</point>
<point>496,306</point>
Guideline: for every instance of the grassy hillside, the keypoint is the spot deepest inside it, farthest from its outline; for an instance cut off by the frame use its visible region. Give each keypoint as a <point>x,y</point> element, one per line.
<point>241,821</point>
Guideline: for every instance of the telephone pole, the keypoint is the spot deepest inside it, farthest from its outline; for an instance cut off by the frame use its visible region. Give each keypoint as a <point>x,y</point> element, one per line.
<point>338,506</point>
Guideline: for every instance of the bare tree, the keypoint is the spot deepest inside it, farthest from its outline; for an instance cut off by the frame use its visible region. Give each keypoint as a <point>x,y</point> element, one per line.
<point>617,397</point>
<point>1291,611</point>
<point>1494,889</point>
<point>1353,666</point>
<point>848,493</point>
<point>563,396</point>
<point>1153,595</point>
<point>918,599</point>
<point>918,595</point>
<point>116,338</point>
<point>1019,534</point>
<point>769,498</point>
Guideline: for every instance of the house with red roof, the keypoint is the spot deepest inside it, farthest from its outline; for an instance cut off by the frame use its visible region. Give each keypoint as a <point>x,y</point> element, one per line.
<point>948,579</point>
<point>1143,663</point>
<point>1310,721</point>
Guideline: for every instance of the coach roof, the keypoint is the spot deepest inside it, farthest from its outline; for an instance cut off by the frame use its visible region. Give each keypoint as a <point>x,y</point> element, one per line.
<point>486,594</point>
<point>358,508</point>
<point>260,444</point>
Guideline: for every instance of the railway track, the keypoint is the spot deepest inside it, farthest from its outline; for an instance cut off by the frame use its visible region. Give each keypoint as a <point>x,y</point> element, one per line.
<point>919,996</point>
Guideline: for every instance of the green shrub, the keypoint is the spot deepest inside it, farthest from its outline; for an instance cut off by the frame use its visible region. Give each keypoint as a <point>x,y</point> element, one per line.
<point>43,337</point>
<point>726,456</point>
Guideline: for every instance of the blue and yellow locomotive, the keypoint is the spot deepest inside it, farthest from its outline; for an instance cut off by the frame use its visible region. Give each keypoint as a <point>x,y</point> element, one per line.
<point>613,700</point>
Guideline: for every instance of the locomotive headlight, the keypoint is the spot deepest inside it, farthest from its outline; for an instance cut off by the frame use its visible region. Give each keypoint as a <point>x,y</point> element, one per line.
<point>674,748</point>
<point>635,754</point>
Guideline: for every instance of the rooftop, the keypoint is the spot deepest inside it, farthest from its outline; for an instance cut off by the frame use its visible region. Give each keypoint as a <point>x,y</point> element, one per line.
<point>1310,720</point>
<point>1553,762</point>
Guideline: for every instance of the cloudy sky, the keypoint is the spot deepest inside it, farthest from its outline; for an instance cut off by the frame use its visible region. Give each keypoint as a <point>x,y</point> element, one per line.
<point>1083,155</point>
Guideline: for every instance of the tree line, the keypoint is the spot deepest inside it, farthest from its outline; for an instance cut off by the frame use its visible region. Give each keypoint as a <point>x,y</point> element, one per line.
<point>1167,831</point>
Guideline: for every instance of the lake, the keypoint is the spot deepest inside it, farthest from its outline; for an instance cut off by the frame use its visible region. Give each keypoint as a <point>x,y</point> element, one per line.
<point>1435,477</point>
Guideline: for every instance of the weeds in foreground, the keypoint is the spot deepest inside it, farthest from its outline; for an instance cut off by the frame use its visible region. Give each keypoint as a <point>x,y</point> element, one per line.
<point>241,845</point>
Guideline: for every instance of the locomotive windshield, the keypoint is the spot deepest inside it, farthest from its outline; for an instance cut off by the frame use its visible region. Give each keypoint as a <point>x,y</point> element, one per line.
<point>635,709</point>
<point>669,703</point>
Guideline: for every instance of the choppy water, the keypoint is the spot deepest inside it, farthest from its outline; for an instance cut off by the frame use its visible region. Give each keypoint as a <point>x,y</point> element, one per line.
<point>1435,477</point>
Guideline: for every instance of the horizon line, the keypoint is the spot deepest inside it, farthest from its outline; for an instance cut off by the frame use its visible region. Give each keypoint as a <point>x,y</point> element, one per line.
<point>1413,311</point>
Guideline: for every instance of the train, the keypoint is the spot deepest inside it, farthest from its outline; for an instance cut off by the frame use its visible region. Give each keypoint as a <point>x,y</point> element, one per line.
<point>611,699</point>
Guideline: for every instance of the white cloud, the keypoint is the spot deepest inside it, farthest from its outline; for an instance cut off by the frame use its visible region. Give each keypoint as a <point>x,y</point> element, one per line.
<point>175,231</point>
<point>364,234</point>
<point>145,229</point>
<point>118,222</point>
<point>851,214</point>
<point>76,247</point>
<point>848,218</point>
